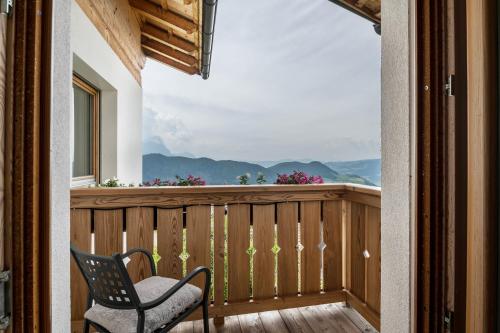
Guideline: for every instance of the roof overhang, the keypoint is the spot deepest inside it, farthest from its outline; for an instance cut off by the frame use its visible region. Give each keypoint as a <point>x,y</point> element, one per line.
<point>178,33</point>
<point>369,9</point>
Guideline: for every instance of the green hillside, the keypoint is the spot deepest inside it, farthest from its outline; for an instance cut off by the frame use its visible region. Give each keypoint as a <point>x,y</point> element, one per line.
<point>227,171</point>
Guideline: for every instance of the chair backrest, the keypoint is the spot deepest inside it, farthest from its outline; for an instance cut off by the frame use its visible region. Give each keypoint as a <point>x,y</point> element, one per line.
<point>107,278</point>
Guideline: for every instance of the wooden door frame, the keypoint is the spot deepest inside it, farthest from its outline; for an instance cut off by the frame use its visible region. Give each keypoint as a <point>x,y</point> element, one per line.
<point>27,164</point>
<point>482,61</point>
<point>456,173</point>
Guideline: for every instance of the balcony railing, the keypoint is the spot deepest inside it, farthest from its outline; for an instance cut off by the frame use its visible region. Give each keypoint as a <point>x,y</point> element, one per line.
<point>269,247</point>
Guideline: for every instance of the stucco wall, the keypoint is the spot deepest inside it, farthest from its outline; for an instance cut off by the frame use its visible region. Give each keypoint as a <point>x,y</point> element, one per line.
<point>60,167</point>
<point>396,166</point>
<point>121,108</point>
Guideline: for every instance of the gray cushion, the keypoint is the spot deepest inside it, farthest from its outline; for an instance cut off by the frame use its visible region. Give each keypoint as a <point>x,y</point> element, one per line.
<point>121,321</point>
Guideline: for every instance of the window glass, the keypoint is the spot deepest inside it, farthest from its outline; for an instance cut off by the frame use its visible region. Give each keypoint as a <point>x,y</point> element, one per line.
<point>84,138</point>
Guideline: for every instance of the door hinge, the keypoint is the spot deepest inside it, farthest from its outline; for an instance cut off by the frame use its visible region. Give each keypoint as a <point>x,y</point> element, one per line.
<point>6,6</point>
<point>449,317</point>
<point>449,86</point>
<point>4,300</point>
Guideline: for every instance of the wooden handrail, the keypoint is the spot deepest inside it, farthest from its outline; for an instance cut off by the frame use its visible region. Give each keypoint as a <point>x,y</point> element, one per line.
<point>172,196</point>
<point>325,227</point>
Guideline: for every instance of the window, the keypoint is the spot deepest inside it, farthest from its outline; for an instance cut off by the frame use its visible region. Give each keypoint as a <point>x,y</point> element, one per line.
<point>85,163</point>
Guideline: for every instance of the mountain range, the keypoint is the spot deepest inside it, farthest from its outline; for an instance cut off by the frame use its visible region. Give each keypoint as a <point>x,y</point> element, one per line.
<point>226,171</point>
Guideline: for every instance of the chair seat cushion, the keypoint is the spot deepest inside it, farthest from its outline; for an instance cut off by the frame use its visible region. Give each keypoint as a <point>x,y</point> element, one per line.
<point>121,321</point>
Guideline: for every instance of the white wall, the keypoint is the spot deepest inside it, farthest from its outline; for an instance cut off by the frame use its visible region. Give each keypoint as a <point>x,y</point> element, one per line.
<point>121,102</point>
<point>60,167</point>
<point>397,152</point>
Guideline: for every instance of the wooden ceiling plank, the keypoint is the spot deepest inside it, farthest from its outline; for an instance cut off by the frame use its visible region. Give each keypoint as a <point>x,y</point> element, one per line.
<point>166,37</point>
<point>170,62</point>
<point>363,7</point>
<point>157,13</point>
<point>168,51</point>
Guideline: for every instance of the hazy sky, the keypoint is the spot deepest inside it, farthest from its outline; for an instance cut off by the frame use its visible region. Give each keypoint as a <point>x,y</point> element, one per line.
<point>289,79</point>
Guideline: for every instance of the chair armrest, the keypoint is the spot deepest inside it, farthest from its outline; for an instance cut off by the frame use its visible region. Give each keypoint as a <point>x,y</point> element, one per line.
<point>179,285</point>
<point>144,252</point>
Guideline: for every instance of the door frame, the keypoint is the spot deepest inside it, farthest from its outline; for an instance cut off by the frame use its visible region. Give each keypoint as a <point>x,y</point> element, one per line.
<point>456,173</point>
<point>27,165</point>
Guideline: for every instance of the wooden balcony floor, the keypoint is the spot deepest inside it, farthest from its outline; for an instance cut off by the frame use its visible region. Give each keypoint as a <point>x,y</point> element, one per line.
<point>322,318</point>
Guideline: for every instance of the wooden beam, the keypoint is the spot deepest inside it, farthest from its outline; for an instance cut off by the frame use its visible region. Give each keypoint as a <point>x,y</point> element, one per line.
<point>168,51</point>
<point>157,13</point>
<point>170,62</point>
<point>166,37</point>
<point>481,312</point>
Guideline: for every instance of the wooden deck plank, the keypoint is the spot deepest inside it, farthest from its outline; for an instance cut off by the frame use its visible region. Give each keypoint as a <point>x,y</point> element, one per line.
<point>295,321</point>
<point>231,325</point>
<point>185,327</point>
<point>338,317</point>
<point>251,323</point>
<point>355,317</point>
<point>323,320</point>
<point>272,322</point>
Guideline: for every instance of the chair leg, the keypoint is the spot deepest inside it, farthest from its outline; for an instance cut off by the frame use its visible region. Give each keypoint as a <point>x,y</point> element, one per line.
<point>140,321</point>
<point>205,317</point>
<point>86,326</point>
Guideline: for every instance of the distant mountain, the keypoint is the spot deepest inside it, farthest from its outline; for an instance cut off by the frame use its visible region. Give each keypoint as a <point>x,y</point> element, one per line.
<point>368,169</point>
<point>155,145</point>
<point>226,172</point>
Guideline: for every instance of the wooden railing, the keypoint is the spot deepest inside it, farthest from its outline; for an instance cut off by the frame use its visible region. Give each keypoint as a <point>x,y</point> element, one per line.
<point>269,247</point>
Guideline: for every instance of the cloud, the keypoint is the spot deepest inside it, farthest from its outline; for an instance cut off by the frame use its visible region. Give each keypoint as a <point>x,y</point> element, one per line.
<point>289,79</point>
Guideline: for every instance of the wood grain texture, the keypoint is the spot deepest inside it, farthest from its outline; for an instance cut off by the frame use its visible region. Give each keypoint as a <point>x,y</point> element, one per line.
<point>108,229</point>
<point>347,240</point>
<point>157,14</point>
<point>482,173</point>
<point>168,51</point>
<point>169,237</point>
<point>119,26</point>
<point>140,234</point>
<point>172,197</point>
<point>251,323</point>
<point>373,277</point>
<point>81,239</point>
<point>163,36</point>
<point>238,242</point>
<point>263,260</point>
<point>295,321</point>
<point>198,240</point>
<point>310,231</point>
<point>288,218</point>
<point>332,236</point>
<point>3,108</point>
<point>272,322</point>
<point>358,269</point>
<point>364,310</point>
<point>219,244</point>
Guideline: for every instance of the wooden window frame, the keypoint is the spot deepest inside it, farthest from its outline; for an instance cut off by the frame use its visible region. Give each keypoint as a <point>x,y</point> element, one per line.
<point>96,161</point>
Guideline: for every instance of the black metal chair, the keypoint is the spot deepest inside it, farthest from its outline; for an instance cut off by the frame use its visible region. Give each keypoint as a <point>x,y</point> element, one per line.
<point>155,304</point>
